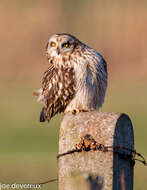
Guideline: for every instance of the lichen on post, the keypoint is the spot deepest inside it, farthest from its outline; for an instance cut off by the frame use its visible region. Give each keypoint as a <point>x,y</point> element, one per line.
<point>96,169</point>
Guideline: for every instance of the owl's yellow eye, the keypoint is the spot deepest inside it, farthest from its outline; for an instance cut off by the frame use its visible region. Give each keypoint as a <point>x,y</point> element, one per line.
<point>53,44</point>
<point>66,44</point>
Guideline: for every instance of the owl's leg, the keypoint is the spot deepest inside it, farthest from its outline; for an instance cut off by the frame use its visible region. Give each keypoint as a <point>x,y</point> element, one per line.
<point>86,110</point>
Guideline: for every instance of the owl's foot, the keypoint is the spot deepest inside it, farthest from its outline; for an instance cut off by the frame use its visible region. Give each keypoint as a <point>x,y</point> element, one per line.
<point>76,111</point>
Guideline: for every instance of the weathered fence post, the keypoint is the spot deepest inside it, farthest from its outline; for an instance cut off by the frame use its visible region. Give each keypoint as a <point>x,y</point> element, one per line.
<point>96,170</point>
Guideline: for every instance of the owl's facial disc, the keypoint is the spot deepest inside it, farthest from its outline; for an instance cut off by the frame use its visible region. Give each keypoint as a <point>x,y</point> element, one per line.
<point>60,45</point>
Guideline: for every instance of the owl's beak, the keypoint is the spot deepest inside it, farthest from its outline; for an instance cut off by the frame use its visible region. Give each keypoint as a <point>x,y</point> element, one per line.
<point>58,51</point>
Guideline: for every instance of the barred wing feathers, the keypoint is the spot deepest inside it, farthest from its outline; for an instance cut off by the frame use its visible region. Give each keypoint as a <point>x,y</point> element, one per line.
<point>58,88</point>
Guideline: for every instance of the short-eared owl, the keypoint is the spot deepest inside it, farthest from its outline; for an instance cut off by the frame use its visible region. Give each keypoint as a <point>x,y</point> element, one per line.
<point>76,78</point>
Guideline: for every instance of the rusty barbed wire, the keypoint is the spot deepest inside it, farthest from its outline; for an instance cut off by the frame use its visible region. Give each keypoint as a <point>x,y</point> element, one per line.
<point>87,143</point>
<point>45,182</point>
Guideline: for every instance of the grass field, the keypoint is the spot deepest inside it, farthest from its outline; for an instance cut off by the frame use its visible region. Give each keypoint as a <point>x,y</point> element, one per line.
<point>29,149</point>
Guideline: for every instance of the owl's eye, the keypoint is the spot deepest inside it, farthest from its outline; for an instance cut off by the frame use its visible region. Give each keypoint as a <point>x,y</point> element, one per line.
<point>53,44</point>
<point>66,44</point>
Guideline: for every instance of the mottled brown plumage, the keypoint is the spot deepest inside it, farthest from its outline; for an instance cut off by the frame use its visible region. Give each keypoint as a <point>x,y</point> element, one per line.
<point>75,80</point>
<point>61,91</point>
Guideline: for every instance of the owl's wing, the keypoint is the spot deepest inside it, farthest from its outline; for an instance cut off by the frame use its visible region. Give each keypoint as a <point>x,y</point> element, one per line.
<point>58,89</point>
<point>101,82</point>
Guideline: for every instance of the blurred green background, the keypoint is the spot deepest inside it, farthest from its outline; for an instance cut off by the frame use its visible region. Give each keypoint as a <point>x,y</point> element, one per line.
<point>117,29</point>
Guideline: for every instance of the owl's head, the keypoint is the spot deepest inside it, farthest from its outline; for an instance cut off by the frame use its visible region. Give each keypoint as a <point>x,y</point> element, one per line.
<point>61,44</point>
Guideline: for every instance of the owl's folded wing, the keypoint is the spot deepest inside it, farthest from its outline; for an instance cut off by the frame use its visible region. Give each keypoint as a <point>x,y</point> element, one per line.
<point>58,87</point>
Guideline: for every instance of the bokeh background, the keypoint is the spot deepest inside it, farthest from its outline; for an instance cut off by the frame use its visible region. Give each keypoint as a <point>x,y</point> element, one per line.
<point>117,29</point>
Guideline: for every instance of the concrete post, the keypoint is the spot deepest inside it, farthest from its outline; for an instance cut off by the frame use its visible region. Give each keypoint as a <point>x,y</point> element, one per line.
<point>96,170</point>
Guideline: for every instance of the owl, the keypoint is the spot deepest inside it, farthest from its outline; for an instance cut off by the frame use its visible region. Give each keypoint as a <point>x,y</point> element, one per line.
<point>76,78</point>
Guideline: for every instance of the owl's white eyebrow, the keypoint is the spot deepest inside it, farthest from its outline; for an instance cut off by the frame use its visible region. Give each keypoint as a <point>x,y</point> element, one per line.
<point>52,42</point>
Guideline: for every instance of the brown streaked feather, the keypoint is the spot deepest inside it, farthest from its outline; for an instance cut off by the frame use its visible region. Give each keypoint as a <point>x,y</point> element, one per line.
<point>58,86</point>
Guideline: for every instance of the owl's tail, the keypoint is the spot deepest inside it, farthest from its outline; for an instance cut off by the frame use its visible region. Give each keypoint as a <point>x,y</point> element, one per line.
<point>42,115</point>
<point>46,114</point>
